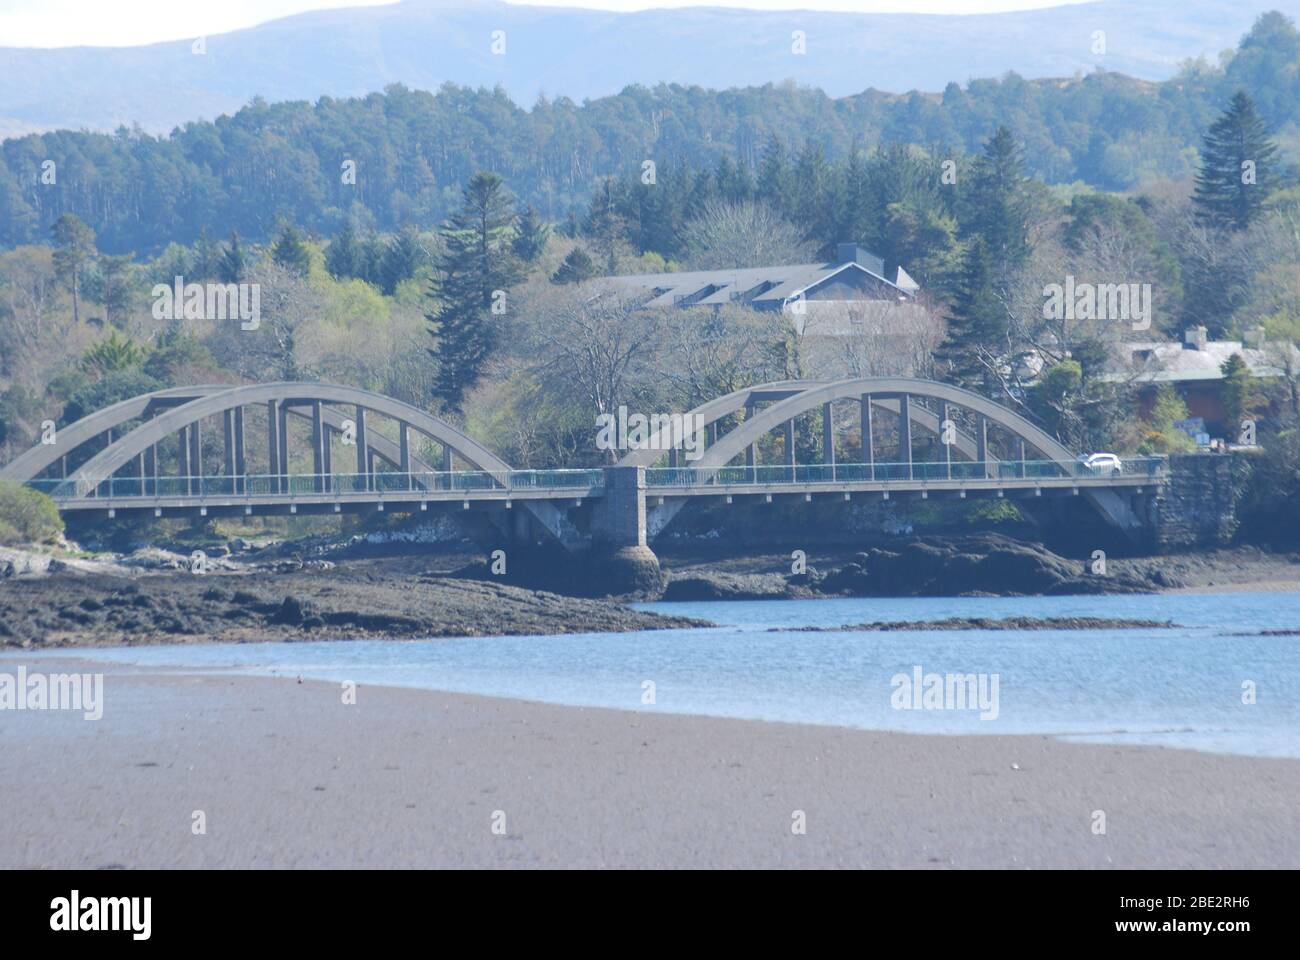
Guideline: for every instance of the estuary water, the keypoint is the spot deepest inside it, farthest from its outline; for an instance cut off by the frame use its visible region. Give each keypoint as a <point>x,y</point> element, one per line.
<point>1211,683</point>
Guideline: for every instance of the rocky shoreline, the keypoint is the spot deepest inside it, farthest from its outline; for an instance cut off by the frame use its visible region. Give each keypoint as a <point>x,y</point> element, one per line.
<point>976,565</point>
<point>986,565</point>
<point>332,590</point>
<point>388,599</point>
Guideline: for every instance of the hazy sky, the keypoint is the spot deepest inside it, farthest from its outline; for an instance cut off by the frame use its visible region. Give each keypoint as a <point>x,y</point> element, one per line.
<point>63,23</point>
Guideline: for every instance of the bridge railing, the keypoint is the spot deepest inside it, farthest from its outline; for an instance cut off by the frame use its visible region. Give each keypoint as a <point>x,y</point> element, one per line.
<point>471,481</point>
<point>555,479</point>
<point>309,484</point>
<point>819,473</point>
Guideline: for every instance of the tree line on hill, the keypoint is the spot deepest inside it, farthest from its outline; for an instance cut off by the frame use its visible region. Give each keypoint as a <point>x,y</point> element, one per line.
<point>398,159</point>
<point>966,227</point>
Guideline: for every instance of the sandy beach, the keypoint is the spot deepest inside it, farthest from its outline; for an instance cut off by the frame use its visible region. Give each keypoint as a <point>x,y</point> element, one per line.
<point>288,775</point>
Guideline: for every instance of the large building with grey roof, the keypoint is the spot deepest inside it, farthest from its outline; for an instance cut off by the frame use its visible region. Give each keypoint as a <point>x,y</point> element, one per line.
<point>853,276</point>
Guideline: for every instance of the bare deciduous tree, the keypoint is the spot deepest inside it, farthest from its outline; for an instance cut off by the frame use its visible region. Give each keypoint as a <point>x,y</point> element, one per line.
<point>35,336</point>
<point>871,338</point>
<point>707,354</point>
<point>595,346</point>
<point>743,235</point>
<point>280,348</point>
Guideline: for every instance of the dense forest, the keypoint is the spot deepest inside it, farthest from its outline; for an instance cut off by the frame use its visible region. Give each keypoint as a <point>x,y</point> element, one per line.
<point>400,158</point>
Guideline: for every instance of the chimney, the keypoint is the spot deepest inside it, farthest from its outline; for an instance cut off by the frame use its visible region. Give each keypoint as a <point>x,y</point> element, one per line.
<point>1195,338</point>
<point>1254,338</point>
<point>852,253</point>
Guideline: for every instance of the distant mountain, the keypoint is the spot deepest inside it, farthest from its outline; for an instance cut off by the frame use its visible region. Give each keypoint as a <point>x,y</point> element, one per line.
<point>588,53</point>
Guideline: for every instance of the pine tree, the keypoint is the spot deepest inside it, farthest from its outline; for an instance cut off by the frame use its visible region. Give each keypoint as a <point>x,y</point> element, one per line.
<point>116,282</point>
<point>605,224</point>
<point>399,261</point>
<point>475,272</point>
<point>290,252</point>
<point>699,190</point>
<point>370,260</point>
<point>1238,393</point>
<point>1237,167</point>
<point>996,210</point>
<point>774,177</point>
<point>341,259</point>
<point>576,268</point>
<point>733,180</point>
<point>977,326</point>
<point>857,212</point>
<point>533,232</point>
<point>813,200</point>
<point>207,256</point>
<point>112,355</point>
<point>231,267</point>
<point>654,212</point>
<point>74,247</point>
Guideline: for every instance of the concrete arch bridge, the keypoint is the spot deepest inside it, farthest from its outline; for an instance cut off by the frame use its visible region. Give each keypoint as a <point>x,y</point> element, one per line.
<point>290,448</point>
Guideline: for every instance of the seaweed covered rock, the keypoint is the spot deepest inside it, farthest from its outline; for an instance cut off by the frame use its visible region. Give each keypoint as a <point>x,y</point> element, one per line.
<point>985,564</point>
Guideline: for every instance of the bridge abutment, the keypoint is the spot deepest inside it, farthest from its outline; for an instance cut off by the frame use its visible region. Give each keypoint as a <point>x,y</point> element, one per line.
<point>1198,506</point>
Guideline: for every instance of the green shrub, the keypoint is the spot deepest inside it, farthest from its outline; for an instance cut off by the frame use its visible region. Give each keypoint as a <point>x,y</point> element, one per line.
<point>993,511</point>
<point>27,515</point>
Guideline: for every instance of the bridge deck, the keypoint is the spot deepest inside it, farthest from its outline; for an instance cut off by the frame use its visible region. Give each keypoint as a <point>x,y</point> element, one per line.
<point>954,484</point>
<point>1132,472</point>
<point>412,490</point>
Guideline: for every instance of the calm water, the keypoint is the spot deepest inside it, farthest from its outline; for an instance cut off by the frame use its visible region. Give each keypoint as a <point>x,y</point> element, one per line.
<point>1179,687</point>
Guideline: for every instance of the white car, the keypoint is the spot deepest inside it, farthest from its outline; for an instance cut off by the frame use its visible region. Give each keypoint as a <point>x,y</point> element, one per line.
<point>1102,464</point>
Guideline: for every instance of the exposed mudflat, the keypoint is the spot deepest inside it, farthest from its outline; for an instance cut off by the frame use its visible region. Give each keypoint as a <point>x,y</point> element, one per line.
<point>401,598</point>
<point>994,623</point>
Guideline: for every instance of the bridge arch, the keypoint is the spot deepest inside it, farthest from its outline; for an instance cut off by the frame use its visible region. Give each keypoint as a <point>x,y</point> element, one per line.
<point>1111,505</point>
<point>722,407</point>
<point>68,439</point>
<point>29,465</point>
<point>122,451</point>
<point>716,409</point>
<point>748,433</point>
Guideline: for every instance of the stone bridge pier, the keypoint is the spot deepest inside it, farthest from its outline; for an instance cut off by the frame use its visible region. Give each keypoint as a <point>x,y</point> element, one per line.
<point>620,558</point>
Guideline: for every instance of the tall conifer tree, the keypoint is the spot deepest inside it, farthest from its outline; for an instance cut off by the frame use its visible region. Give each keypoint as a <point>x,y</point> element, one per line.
<point>475,272</point>
<point>1237,167</point>
<point>977,326</point>
<point>231,266</point>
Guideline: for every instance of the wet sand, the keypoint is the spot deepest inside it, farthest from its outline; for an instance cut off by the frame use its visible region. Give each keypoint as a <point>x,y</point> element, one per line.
<point>287,775</point>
